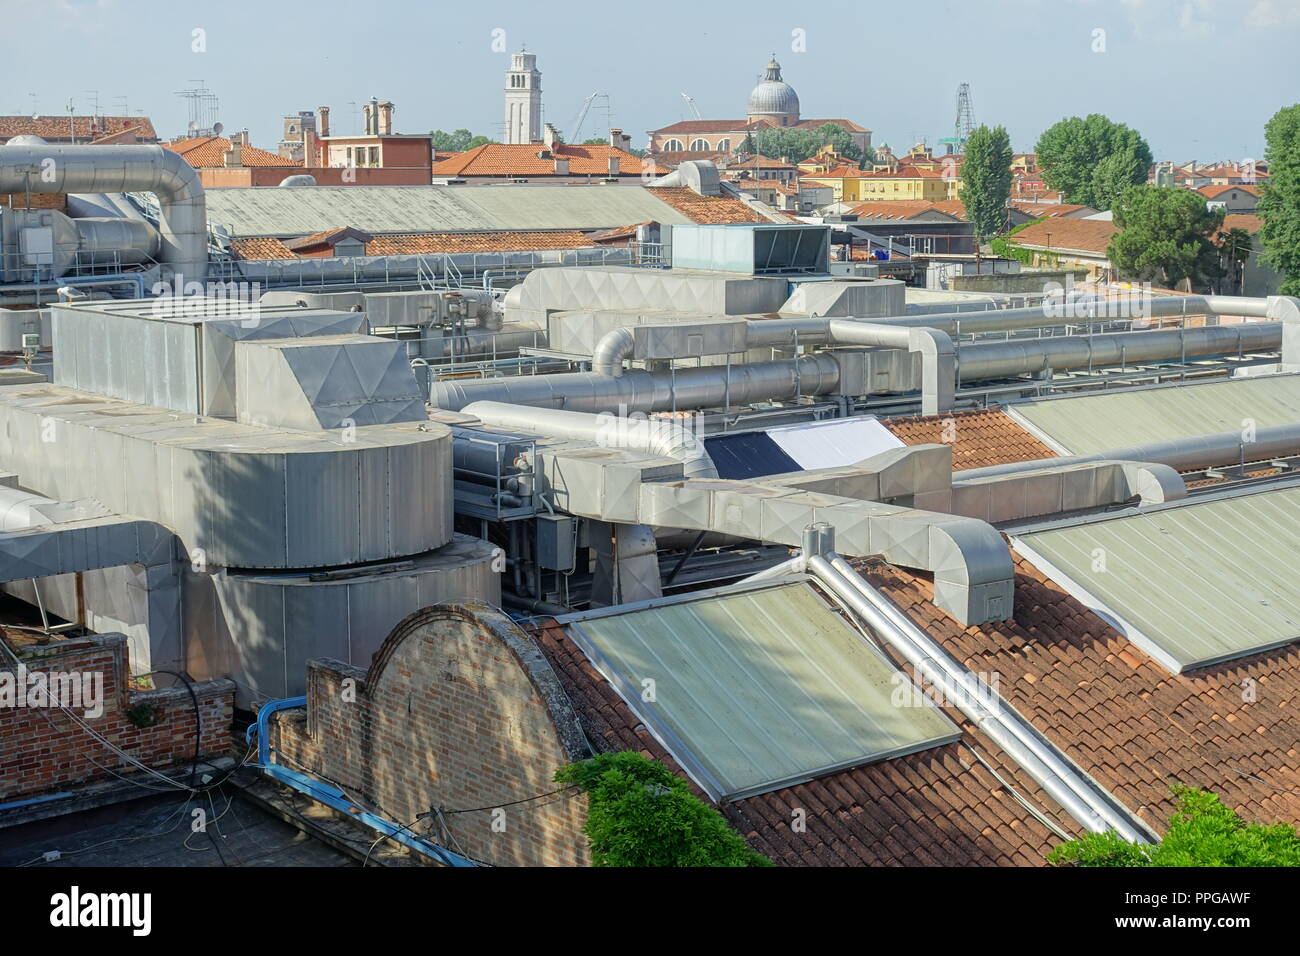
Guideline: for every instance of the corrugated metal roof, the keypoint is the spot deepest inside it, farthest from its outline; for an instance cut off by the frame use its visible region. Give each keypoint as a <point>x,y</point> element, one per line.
<point>1190,585</point>
<point>1090,423</point>
<point>755,690</point>
<point>261,211</point>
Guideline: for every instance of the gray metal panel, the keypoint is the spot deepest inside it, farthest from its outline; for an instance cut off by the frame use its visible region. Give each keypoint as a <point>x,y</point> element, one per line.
<point>1096,422</point>
<point>1190,585</point>
<point>254,211</point>
<point>758,690</point>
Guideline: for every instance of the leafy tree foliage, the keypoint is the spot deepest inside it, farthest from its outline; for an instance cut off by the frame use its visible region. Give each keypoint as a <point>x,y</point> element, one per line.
<point>641,814</point>
<point>798,144</point>
<point>1202,832</point>
<point>456,141</point>
<point>1164,236</point>
<point>986,179</point>
<point>1072,152</point>
<point>1279,205</point>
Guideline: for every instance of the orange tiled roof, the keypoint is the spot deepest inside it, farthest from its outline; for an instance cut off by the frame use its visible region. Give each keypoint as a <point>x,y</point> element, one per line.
<point>83,127</point>
<point>707,210</point>
<point>423,243</point>
<point>1084,235</point>
<point>978,438</point>
<point>1252,224</point>
<point>1209,192</point>
<point>1050,210</point>
<point>900,209</point>
<point>207,152</point>
<point>1124,719</point>
<point>522,159</point>
<point>475,242</point>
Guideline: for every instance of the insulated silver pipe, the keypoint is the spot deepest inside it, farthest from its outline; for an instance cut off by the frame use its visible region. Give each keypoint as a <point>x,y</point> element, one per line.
<point>662,438</point>
<point>709,386</point>
<point>1181,454</point>
<point>18,509</point>
<point>1079,796</point>
<point>981,360</point>
<point>182,221</point>
<point>1075,310</point>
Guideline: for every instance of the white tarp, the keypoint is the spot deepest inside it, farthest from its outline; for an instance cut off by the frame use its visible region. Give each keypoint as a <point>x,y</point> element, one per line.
<point>833,443</point>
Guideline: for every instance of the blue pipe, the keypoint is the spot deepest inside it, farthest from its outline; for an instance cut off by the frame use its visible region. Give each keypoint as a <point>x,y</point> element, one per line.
<point>34,800</point>
<point>332,796</point>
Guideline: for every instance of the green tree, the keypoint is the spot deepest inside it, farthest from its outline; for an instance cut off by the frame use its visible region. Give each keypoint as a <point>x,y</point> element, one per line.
<point>456,141</point>
<point>1071,152</point>
<point>1202,832</point>
<point>798,144</point>
<point>1114,175</point>
<point>1279,204</point>
<point>986,180</point>
<point>748,146</point>
<point>639,813</point>
<point>1165,235</point>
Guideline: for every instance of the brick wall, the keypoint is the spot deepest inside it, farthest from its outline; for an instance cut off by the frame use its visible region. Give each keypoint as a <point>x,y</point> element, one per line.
<point>57,201</point>
<point>458,710</point>
<point>42,749</point>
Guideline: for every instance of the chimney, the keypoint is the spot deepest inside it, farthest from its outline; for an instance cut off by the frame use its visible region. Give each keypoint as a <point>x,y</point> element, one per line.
<point>616,138</point>
<point>385,118</point>
<point>310,148</point>
<point>324,124</point>
<point>365,112</point>
<point>232,156</point>
<point>561,165</point>
<point>241,138</point>
<point>626,142</point>
<point>613,166</point>
<point>550,135</point>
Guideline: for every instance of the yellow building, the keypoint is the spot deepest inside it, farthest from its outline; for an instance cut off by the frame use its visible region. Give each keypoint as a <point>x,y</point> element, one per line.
<point>905,183</point>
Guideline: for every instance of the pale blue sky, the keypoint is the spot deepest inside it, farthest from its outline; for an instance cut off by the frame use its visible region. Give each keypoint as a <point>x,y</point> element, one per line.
<point>1197,77</point>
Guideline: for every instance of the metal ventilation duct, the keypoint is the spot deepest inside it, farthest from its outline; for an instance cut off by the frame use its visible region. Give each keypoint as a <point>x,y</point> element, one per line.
<point>182,220</point>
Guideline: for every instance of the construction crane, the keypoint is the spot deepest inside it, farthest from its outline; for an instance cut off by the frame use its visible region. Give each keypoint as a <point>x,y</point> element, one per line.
<point>690,101</point>
<point>964,123</point>
<point>576,127</point>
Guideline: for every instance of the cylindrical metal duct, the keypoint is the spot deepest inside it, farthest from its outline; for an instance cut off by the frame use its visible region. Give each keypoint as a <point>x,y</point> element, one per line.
<point>107,240</point>
<point>95,169</point>
<point>1077,310</point>
<point>982,360</point>
<point>662,438</point>
<point>709,386</point>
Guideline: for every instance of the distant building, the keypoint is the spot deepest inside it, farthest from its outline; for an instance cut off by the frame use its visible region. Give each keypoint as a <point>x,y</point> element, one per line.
<point>523,99</point>
<point>548,161</point>
<point>296,125</point>
<point>773,103</point>
<point>80,129</point>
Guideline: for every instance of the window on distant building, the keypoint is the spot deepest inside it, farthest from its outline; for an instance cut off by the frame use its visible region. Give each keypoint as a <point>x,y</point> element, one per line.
<point>724,145</point>
<point>673,146</point>
<point>374,155</point>
<point>700,145</point>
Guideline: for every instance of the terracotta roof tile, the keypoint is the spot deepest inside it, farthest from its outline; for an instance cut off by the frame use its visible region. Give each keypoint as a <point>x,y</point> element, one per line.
<point>207,152</point>
<point>1084,235</point>
<point>475,242</point>
<point>522,159</point>
<point>978,438</point>
<point>84,127</point>
<point>1123,718</point>
<point>708,210</point>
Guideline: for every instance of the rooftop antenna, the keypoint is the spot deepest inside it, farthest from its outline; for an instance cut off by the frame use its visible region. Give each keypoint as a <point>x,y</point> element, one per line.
<point>35,113</point>
<point>126,109</point>
<point>965,113</point>
<point>72,125</point>
<point>202,108</point>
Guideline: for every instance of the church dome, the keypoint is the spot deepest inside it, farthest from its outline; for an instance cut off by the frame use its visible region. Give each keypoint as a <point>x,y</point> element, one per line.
<point>773,96</point>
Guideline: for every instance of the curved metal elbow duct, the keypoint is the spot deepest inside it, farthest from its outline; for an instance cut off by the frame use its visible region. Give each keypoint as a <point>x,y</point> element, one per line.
<point>182,221</point>
<point>660,438</point>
